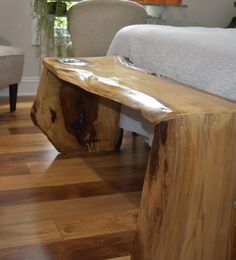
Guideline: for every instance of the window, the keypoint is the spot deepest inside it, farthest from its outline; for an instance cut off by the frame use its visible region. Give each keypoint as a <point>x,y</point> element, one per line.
<point>159,2</point>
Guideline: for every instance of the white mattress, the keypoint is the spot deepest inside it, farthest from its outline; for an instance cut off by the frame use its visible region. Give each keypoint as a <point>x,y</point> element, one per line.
<point>204,58</point>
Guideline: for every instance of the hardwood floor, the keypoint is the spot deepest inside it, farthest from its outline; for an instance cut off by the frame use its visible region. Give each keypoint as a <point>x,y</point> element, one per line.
<point>54,206</point>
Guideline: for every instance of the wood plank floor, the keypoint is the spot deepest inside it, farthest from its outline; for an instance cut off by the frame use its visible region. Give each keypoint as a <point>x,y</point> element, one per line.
<point>53,206</point>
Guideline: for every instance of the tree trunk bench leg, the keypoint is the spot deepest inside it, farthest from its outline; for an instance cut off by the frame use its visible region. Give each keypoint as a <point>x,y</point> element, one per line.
<point>187,206</point>
<point>74,119</point>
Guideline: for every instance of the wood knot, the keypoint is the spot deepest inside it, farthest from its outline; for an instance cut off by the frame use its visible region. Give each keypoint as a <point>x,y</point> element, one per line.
<point>53,115</point>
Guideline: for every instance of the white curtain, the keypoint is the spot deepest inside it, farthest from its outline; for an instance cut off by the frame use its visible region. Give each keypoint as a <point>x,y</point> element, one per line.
<point>48,42</point>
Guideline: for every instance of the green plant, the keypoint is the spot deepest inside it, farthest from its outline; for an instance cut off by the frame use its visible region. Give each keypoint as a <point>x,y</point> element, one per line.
<point>48,15</point>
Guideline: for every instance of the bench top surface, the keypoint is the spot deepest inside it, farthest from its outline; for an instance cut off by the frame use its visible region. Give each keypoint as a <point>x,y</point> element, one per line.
<point>157,98</point>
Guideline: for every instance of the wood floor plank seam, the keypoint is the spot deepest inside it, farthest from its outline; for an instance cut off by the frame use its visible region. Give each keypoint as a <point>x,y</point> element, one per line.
<point>23,130</point>
<point>11,168</point>
<point>70,191</point>
<point>78,206</point>
<point>59,230</point>
<point>70,176</point>
<point>90,226</point>
<point>71,208</point>
<point>117,245</point>
<point>28,233</point>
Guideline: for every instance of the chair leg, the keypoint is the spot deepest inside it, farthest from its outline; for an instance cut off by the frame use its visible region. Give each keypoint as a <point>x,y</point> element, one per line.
<point>13,96</point>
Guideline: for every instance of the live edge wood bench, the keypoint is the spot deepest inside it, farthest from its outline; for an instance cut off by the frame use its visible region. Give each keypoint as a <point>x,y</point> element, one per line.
<point>187,207</point>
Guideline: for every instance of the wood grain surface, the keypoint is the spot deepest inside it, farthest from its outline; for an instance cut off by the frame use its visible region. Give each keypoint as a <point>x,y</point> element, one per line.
<point>189,190</point>
<point>83,101</point>
<point>157,98</point>
<point>61,207</point>
<point>187,209</point>
<point>86,122</point>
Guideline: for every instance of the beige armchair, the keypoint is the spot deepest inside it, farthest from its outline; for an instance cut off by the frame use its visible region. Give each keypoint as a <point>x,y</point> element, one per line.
<point>11,67</point>
<point>93,24</point>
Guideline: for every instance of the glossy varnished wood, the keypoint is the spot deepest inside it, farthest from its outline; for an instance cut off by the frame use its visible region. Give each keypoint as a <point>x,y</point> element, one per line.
<point>83,249</point>
<point>65,206</point>
<point>157,98</point>
<point>28,233</point>
<point>189,190</point>
<point>104,83</point>
<point>86,122</point>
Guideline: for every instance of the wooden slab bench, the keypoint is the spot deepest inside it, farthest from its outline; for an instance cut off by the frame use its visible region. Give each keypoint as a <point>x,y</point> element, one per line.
<point>187,208</point>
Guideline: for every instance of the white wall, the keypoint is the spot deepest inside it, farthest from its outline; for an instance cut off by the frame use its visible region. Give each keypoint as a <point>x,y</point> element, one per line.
<point>207,13</point>
<point>16,26</point>
<point>16,29</point>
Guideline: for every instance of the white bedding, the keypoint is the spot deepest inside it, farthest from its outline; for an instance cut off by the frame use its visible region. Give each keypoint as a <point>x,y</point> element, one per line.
<point>204,58</point>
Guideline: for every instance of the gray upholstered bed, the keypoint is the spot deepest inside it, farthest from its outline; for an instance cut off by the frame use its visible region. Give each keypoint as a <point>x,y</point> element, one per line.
<point>204,58</point>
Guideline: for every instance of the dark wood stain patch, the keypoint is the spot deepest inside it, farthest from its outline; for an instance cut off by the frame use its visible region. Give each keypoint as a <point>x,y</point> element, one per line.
<point>80,111</point>
<point>53,115</point>
<point>160,138</point>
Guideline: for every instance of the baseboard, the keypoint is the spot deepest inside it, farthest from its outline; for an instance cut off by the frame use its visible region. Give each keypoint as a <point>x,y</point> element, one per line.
<point>27,87</point>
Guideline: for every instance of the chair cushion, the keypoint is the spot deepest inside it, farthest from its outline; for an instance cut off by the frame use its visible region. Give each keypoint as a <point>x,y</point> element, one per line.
<point>8,51</point>
<point>93,24</point>
<point>11,65</point>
